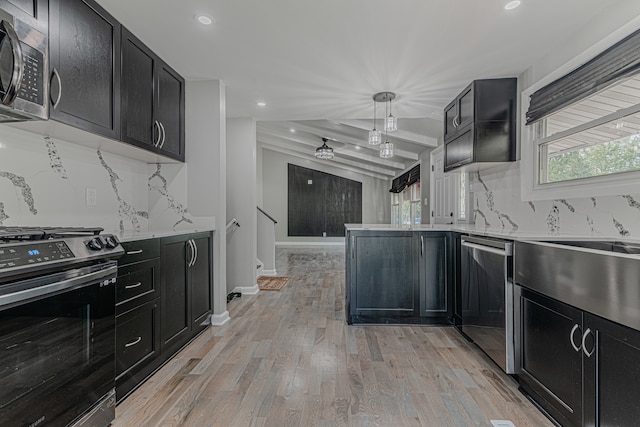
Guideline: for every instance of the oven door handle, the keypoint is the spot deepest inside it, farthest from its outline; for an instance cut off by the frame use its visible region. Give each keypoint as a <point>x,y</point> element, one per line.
<point>483,248</point>
<point>57,287</point>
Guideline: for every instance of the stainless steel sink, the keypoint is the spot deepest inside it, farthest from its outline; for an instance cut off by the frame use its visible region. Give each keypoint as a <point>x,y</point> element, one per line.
<point>609,246</point>
<point>605,281</point>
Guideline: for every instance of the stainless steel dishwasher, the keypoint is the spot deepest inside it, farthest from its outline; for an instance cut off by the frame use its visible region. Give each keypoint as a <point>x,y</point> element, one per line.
<point>487,297</point>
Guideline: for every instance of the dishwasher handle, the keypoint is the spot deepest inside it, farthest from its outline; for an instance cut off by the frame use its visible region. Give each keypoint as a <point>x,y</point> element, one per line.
<point>502,252</point>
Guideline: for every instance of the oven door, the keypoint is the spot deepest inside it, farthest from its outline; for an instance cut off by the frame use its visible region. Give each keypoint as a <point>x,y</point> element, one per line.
<point>487,298</point>
<point>57,346</point>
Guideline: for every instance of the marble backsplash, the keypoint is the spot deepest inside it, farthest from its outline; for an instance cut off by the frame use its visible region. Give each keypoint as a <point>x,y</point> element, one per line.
<point>497,206</point>
<point>44,182</point>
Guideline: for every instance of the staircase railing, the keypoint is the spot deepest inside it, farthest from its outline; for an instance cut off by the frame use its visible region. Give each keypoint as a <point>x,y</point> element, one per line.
<point>267,242</point>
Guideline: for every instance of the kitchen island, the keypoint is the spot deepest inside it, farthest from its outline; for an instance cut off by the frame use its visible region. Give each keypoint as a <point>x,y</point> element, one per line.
<point>399,275</point>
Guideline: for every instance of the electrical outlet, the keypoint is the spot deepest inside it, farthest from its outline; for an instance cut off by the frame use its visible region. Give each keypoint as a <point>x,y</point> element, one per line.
<point>324,234</point>
<point>92,197</point>
<point>310,181</point>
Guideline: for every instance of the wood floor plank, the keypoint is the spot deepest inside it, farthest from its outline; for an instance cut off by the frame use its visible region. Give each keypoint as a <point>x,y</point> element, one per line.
<point>288,358</point>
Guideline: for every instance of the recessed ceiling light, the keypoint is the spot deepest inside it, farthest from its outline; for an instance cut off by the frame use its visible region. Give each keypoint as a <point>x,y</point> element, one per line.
<point>357,147</point>
<point>512,4</point>
<point>261,104</point>
<point>292,130</point>
<point>204,19</point>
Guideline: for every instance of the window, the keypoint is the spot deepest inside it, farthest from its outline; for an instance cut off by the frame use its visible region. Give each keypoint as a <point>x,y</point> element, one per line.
<point>593,137</point>
<point>582,136</point>
<point>395,208</point>
<point>405,206</point>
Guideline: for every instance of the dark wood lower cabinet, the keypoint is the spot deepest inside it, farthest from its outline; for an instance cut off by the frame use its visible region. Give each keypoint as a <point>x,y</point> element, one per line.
<point>137,346</point>
<point>164,299</point>
<point>551,368</point>
<point>186,287</point>
<point>612,373</point>
<point>398,276</point>
<point>175,292</point>
<point>434,263</point>
<point>581,369</point>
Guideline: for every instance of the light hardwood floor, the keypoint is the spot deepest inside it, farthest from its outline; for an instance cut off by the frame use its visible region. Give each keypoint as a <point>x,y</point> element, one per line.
<point>287,358</point>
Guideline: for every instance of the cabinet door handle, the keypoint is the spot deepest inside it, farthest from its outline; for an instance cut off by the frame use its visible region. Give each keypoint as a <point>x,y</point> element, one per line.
<point>421,246</point>
<point>157,126</point>
<point>164,134</point>
<point>135,285</point>
<point>135,252</point>
<point>192,261</point>
<point>195,249</point>
<point>57,101</point>
<point>573,331</point>
<point>584,347</point>
<point>18,64</point>
<point>134,342</point>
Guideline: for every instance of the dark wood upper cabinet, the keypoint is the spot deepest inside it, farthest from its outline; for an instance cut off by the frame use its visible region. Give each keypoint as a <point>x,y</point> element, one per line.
<point>35,13</point>
<point>137,80</point>
<point>152,100</point>
<point>170,102</point>
<point>85,63</point>
<point>480,125</point>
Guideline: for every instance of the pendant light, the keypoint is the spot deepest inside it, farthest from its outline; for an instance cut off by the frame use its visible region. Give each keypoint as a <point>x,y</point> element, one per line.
<point>324,152</point>
<point>375,136</point>
<point>390,122</point>
<point>386,148</point>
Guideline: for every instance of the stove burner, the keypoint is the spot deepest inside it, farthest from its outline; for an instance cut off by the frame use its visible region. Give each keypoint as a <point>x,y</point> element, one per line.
<point>44,233</point>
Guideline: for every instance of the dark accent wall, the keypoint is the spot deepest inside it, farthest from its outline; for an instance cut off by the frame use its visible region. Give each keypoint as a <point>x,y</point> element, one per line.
<point>325,205</point>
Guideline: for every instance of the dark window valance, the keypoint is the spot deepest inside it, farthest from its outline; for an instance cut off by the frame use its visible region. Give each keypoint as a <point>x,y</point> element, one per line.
<point>406,179</point>
<point>618,62</point>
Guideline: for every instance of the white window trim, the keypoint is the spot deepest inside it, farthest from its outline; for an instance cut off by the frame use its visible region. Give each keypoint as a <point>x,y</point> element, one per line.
<point>606,185</point>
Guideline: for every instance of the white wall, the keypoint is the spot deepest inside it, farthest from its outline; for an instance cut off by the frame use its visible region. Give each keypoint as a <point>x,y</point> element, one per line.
<point>241,203</point>
<point>376,202</point>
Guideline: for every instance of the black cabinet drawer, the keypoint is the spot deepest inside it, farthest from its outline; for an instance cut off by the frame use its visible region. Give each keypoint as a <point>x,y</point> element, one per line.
<point>137,337</point>
<point>140,250</point>
<point>137,282</point>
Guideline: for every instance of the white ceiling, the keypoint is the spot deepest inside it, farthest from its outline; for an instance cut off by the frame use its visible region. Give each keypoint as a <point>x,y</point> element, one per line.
<point>320,62</point>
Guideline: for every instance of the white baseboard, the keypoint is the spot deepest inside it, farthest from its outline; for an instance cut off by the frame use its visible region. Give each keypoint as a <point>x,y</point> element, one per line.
<point>247,290</point>
<point>220,319</point>
<point>310,243</point>
<point>269,273</point>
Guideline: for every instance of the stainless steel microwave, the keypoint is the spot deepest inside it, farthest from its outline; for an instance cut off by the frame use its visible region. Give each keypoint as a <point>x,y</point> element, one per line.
<point>24,87</point>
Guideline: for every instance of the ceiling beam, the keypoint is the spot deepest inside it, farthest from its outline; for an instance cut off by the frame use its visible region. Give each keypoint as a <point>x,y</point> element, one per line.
<point>313,142</point>
<point>347,139</point>
<point>312,159</point>
<point>402,135</point>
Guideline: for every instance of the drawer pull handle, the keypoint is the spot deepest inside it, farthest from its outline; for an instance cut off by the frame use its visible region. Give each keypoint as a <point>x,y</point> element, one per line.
<point>134,342</point>
<point>136,252</point>
<point>135,285</point>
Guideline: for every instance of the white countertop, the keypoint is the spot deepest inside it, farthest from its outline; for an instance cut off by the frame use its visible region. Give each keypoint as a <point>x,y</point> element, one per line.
<point>517,235</point>
<point>133,235</point>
